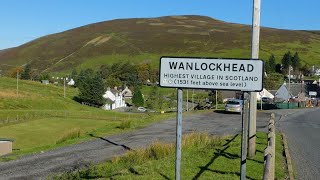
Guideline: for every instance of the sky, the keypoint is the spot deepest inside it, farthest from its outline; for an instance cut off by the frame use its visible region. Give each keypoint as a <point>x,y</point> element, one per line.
<point>26,20</point>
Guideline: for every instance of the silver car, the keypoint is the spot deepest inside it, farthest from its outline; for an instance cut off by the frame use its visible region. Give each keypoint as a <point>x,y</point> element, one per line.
<point>233,105</point>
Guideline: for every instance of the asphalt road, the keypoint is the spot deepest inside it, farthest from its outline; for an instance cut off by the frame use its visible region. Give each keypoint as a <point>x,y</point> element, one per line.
<point>39,166</point>
<point>302,129</point>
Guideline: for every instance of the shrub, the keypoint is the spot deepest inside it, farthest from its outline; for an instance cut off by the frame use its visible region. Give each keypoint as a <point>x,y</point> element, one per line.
<point>70,134</point>
<point>125,124</point>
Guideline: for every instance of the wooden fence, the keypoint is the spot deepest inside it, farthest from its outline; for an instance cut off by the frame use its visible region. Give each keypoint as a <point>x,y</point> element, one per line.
<point>270,151</point>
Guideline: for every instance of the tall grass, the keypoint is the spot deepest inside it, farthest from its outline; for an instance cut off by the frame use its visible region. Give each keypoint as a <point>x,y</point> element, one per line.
<point>125,124</point>
<point>70,134</point>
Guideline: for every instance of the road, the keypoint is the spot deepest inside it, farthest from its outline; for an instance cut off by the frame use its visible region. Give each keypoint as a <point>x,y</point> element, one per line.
<point>302,129</point>
<point>39,166</point>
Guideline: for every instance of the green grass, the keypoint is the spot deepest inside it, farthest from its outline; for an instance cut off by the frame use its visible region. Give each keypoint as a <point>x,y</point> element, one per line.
<point>203,157</point>
<point>69,134</point>
<point>39,117</point>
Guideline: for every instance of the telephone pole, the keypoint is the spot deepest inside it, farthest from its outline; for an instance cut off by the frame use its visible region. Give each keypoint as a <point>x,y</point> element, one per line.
<point>253,95</point>
<point>17,82</point>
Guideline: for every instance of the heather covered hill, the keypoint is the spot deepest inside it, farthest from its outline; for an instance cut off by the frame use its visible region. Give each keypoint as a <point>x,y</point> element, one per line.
<point>147,39</point>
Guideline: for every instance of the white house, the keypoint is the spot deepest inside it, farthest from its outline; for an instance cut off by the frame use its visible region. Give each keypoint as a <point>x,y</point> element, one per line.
<point>264,93</point>
<point>114,99</point>
<point>71,82</point>
<point>127,93</point>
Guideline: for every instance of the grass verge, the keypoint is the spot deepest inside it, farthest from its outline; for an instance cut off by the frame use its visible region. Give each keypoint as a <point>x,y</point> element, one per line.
<point>203,157</point>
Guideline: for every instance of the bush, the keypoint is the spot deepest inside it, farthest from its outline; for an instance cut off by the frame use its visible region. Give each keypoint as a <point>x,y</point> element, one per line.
<point>70,134</point>
<point>125,124</point>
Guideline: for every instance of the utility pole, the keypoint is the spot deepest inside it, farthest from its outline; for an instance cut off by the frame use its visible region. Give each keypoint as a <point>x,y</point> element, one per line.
<point>253,95</point>
<point>216,99</point>
<point>64,87</point>
<point>187,100</point>
<point>17,82</point>
<point>289,79</point>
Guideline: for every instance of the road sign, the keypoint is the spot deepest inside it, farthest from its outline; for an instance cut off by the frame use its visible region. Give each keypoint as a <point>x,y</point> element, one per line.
<point>210,73</point>
<point>312,93</point>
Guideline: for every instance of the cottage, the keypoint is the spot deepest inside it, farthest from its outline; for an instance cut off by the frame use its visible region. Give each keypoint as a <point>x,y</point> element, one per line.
<point>296,90</point>
<point>127,93</point>
<point>114,99</point>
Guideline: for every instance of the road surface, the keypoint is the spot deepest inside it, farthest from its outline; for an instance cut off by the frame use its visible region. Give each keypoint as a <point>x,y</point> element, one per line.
<point>39,166</point>
<point>302,129</point>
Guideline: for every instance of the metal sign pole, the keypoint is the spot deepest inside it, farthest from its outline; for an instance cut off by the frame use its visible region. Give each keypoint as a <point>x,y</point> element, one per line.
<point>244,137</point>
<point>179,134</point>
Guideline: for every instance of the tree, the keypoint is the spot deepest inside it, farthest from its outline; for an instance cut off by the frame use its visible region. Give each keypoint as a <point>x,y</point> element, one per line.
<point>14,71</point>
<point>152,98</point>
<point>272,63</point>
<point>26,72</point>
<point>91,87</point>
<point>267,67</point>
<point>278,68</point>
<point>286,62</point>
<point>296,61</point>
<point>137,98</point>
<point>273,81</point>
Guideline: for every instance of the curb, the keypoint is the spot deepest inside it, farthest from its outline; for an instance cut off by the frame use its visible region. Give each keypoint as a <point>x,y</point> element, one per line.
<point>287,156</point>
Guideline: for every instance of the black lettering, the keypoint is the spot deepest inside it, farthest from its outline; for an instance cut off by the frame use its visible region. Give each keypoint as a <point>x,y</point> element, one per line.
<point>225,67</point>
<point>249,68</point>
<point>189,66</point>
<point>234,67</point>
<point>242,68</point>
<point>173,65</point>
<point>211,68</point>
<point>204,66</point>
<point>196,67</point>
<point>181,66</point>
<point>219,67</point>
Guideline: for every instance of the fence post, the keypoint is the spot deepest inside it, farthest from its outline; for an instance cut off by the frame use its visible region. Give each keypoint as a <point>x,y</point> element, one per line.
<point>269,167</point>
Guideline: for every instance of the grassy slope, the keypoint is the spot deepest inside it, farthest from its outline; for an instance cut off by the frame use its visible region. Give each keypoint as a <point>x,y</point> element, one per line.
<point>147,39</point>
<point>39,116</point>
<point>202,158</point>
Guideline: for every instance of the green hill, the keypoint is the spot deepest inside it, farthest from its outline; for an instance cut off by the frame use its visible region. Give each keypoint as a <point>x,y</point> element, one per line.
<point>146,39</point>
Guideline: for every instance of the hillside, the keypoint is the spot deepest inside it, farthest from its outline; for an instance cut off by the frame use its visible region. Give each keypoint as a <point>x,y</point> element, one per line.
<point>146,39</point>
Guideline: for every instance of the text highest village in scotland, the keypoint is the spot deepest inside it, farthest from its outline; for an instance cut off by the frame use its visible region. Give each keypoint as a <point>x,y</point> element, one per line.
<point>226,68</point>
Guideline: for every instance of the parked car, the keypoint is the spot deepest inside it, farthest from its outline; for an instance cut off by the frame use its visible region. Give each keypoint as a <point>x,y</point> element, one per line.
<point>266,99</point>
<point>142,109</point>
<point>233,105</point>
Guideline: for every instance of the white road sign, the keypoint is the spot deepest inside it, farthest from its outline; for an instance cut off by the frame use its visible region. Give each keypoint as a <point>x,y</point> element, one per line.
<point>209,73</point>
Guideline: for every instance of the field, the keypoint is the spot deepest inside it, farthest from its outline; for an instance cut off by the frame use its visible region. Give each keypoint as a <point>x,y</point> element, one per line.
<point>39,118</point>
<point>203,157</point>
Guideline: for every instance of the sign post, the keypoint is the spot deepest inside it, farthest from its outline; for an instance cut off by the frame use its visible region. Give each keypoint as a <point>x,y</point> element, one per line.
<point>179,133</point>
<point>211,73</point>
<point>244,137</point>
<point>253,95</point>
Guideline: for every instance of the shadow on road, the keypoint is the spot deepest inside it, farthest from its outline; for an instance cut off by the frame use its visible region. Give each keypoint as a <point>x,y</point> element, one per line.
<point>113,143</point>
<point>225,112</point>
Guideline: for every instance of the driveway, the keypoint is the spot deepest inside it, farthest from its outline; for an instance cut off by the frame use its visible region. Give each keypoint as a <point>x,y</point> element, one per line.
<point>69,158</point>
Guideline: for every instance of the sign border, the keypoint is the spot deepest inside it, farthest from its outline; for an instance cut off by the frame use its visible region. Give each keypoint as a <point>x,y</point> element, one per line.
<point>240,59</point>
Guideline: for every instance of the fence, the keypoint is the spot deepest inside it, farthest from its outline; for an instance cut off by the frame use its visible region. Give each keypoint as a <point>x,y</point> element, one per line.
<point>270,151</point>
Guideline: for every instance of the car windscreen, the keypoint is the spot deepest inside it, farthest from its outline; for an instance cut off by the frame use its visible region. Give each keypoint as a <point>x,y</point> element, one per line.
<point>233,102</point>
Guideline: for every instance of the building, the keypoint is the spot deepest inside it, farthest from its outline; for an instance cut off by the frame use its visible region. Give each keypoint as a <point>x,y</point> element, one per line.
<point>114,99</point>
<point>127,93</point>
<point>297,90</point>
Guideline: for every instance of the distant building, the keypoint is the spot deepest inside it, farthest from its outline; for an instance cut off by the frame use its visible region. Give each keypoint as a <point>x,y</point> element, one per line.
<point>45,82</point>
<point>127,93</point>
<point>71,82</point>
<point>114,99</point>
<point>297,90</point>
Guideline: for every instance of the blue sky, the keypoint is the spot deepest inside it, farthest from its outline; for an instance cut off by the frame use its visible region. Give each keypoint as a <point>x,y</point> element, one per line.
<point>25,20</point>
